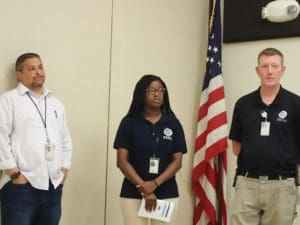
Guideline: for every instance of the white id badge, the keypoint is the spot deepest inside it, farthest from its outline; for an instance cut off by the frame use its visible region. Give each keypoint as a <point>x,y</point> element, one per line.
<point>265,128</point>
<point>153,165</point>
<point>49,151</point>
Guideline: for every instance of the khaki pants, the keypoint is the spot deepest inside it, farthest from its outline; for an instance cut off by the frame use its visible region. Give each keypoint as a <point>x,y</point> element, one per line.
<point>260,202</point>
<point>130,208</point>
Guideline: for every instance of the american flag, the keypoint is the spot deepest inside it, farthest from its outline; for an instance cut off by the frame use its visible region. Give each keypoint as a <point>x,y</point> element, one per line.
<point>210,162</point>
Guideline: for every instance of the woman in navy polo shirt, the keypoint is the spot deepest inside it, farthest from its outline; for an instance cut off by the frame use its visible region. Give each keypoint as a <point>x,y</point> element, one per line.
<point>150,143</point>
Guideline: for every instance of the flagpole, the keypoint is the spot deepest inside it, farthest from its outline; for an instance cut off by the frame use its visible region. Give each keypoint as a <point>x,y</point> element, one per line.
<point>210,160</point>
<point>219,156</point>
<point>219,189</point>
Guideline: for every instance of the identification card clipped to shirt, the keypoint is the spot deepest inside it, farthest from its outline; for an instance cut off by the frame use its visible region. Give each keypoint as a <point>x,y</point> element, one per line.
<point>49,151</point>
<point>153,165</point>
<point>265,128</point>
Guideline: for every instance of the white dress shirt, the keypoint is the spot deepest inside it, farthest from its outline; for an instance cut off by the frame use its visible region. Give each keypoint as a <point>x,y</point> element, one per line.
<point>23,137</point>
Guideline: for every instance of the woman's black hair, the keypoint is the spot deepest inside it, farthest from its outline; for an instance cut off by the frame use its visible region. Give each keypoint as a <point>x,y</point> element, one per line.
<point>138,100</point>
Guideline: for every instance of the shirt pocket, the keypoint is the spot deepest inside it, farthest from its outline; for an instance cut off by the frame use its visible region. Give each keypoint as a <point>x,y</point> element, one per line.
<point>55,120</point>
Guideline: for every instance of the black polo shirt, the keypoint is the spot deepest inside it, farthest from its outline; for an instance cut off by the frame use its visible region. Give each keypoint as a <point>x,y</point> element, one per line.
<point>143,140</point>
<point>277,153</point>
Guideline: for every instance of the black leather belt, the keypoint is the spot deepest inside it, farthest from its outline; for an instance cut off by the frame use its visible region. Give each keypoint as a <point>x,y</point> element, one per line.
<point>266,177</point>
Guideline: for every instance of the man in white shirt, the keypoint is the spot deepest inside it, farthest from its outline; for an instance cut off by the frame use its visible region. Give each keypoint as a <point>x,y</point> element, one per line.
<point>35,148</point>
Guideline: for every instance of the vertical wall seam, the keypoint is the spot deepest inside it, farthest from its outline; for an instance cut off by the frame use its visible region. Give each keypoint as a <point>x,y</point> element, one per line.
<point>108,111</point>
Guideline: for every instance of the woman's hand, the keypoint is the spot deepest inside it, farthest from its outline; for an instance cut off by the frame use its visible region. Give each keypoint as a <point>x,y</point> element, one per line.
<point>150,202</point>
<point>147,188</point>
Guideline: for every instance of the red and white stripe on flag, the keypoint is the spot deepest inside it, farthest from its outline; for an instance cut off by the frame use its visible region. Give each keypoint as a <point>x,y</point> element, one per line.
<point>211,142</point>
<point>210,162</point>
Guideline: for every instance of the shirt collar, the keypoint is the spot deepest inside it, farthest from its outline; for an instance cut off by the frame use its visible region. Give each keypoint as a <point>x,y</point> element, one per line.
<point>278,96</point>
<point>162,118</point>
<point>22,89</point>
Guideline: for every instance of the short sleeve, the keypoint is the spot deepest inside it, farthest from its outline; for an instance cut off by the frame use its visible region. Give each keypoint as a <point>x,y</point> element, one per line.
<point>235,129</point>
<point>179,138</point>
<point>122,139</point>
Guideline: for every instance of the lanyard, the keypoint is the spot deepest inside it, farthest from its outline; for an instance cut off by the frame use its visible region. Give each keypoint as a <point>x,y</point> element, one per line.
<point>44,121</point>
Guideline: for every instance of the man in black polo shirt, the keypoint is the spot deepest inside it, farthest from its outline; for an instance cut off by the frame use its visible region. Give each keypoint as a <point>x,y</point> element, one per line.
<point>265,132</point>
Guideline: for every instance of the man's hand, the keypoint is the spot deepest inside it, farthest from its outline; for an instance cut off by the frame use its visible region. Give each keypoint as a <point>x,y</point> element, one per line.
<point>65,172</point>
<point>20,180</point>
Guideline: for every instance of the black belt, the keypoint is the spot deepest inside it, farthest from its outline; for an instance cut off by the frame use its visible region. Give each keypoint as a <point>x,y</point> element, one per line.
<point>266,177</point>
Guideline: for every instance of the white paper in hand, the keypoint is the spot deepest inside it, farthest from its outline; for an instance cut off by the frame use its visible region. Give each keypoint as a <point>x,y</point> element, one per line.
<point>163,211</point>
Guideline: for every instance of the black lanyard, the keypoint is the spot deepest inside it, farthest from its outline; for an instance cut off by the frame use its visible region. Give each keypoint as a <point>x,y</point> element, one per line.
<point>43,120</point>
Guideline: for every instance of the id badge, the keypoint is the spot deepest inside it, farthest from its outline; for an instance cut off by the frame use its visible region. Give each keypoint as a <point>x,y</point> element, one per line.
<point>49,151</point>
<point>153,165</point>
<point>265,128</point>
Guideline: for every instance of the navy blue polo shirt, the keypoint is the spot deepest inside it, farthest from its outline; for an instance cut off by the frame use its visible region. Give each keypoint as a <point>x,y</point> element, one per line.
<point>277,153</point>
<point>143,140</point>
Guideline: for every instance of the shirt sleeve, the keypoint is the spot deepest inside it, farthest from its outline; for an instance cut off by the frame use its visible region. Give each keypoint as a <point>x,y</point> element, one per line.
<point>122,139</point>
<point>64,138</point>
<point>66,143</point>
<point>7,160</point>
<point>298,127</point>
<point>235,130</point>
<point>179,138</point>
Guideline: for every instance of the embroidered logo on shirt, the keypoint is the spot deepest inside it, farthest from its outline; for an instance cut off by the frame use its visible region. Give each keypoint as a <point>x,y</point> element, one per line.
<point>282,116</point>
<point>168,134</point>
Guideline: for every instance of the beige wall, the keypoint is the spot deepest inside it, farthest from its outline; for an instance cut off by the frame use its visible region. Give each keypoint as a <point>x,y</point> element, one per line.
<point>94,51</point>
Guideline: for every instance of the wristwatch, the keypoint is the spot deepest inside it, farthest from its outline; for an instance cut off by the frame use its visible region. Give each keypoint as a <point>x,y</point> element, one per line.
<point>15,175</point>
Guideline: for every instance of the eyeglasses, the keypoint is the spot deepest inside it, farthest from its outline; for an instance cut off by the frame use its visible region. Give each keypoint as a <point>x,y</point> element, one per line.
<point>152,91</point>
<point>267,66</point>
